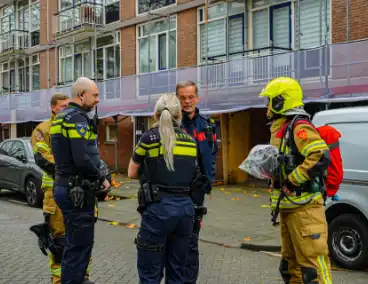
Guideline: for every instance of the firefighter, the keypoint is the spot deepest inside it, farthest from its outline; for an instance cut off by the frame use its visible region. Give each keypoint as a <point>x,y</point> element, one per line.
<point>40,141</point>
<point>295,195</point>
<point>165,161</point>
<point>77,177</point>
<point>203,130</point>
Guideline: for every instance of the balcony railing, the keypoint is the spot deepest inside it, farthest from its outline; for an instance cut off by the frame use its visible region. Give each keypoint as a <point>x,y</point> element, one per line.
<point>13,41</point>
<point>336,72</point>
<point>77,17</point>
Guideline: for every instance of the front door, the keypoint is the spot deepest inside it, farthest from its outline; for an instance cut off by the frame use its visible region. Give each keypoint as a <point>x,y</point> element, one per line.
<point>141,125</point>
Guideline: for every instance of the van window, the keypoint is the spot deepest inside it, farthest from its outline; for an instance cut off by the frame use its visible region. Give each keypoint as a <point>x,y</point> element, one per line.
<point>354,149</point>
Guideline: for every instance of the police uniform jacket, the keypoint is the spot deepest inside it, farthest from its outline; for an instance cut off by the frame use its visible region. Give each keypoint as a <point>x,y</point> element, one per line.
<point>314,152</point>
<point>149,154</point>
<point>44,158</point>
<point>203,130</point>
<point>74,145</point>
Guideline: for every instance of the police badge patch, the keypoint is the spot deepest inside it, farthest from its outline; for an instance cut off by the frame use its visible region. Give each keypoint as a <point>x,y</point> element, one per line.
<point>81,129</point>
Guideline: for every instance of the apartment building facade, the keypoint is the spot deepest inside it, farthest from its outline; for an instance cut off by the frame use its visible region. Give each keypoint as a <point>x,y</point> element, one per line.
<point>138,49</point>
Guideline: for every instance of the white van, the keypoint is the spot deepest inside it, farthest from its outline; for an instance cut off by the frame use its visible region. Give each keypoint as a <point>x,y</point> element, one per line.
<point>348,217</point>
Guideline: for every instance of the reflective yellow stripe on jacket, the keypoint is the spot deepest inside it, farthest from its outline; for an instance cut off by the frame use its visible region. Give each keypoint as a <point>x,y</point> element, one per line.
<point>47,181</point>
<point>69,130</point>
<point>286,204</point>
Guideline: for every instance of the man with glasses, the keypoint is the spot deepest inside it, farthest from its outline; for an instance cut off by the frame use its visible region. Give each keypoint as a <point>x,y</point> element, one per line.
<point>203,130</point>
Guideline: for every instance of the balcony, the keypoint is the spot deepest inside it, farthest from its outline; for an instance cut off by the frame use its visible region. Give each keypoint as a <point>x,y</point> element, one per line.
<point>79,22</point>
<point>334,73</point>
<point>13,42</point>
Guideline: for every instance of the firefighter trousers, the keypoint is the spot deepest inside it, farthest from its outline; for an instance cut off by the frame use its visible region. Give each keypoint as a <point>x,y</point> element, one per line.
<point>56,222</point>
<point>304,247</point>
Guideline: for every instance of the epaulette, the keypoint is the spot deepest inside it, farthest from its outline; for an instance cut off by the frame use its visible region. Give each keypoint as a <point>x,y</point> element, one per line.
<point>207,118</point>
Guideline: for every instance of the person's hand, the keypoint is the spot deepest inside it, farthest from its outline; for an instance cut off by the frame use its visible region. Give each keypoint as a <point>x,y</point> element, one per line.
<point>106,185</point>
<point>288,192</point>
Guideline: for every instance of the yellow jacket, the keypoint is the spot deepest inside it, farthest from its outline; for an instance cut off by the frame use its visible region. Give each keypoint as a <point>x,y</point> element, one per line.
<point>316,159</point>
<point>41,145</point>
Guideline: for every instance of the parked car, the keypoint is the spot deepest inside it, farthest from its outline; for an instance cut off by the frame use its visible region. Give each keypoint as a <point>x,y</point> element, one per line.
<point>348,218</point>
<point>19,172</point>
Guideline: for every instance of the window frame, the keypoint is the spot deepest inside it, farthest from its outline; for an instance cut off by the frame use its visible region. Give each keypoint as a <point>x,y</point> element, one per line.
<point>104,11</point>
<point>108,132</point>
<point>156,36</point>
<point>226,18</point>
<point>155,10</point>
<point>104,47</point>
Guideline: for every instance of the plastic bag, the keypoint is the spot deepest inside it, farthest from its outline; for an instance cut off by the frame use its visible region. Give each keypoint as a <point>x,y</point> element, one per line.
<point>262,162</point>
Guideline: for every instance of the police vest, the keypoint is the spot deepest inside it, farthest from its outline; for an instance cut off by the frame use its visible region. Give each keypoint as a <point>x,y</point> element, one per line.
<point>185,161</point>
<point>63,132</point>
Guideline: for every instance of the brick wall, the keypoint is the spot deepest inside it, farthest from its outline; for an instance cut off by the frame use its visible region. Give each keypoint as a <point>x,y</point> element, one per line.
<point>187,38</point>
<point>357,21</point>
<point>125,143</point>
<point>127,9</point>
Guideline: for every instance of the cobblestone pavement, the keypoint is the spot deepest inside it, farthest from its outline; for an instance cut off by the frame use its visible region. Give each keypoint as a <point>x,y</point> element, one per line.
<point>114,255</point>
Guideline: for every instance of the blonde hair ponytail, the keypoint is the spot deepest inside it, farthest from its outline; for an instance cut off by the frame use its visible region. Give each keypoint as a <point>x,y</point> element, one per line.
<point>168,112</point>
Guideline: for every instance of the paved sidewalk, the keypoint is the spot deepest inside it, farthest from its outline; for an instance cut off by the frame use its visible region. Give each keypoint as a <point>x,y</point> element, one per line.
<point>237,216</point>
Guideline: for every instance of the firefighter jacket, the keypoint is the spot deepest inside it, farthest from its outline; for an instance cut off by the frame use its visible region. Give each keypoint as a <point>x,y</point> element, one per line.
<point>203,130</point>
<point>74,145</point>
<point>40,141</point>
<point>315,161</point>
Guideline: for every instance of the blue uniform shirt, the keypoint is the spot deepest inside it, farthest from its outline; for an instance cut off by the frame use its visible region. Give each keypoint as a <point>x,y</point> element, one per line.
<point>203,130</point>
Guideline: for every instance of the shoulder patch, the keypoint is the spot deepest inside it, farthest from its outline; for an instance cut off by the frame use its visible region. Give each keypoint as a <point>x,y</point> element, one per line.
<point>81,129</point>
<point>302,134</point>
<point>39,136</point>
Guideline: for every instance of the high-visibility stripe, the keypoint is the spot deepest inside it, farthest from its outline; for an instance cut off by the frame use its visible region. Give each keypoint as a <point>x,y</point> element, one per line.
<point>71,132</point>
<point>177,150</point>
<point>324,270</point>
<point>55,271</point>
<point>140,151</point>
<point>298,176</point>
<point>318,144</point>
<point>41,145</point>
<point>286,204</point>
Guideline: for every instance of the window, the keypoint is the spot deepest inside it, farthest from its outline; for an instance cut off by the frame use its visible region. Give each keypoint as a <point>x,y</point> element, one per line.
<point>75,61</point>
<point>6,146</point>
<point>156,46</point>
<point>7,19</point>
<point>35,23</point>
<point>313,25</point>
<point>149,5</point>
<point>111,133</point>
<point>35,64</point>
<point>112,11</point>
<point>108,57</point>
<point>17,149</point>
<point>225,33</point>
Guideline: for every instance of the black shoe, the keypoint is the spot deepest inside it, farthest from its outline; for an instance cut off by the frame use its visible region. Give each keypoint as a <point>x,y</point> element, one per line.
<point>87,281</point>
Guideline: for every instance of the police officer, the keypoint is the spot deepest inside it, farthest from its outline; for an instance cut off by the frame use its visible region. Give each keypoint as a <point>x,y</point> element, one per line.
<point>44,158</point>
<point>298,191</point>
<point>165,161</point>
<point>77,161</point>
<point>203,130</point>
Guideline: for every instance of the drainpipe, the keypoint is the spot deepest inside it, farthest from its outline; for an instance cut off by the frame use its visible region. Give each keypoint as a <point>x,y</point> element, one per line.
<point>347,20</point>
<point>48,42</point>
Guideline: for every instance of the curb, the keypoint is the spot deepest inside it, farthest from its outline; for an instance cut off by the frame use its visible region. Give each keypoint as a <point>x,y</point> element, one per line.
<point>256,247</point>
<point>249,247</point>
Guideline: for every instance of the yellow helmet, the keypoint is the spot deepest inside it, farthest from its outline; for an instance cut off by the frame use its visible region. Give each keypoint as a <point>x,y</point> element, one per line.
<point>283,93</point>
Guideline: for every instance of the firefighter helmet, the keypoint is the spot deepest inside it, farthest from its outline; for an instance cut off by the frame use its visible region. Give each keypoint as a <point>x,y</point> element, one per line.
<point>283,94</point>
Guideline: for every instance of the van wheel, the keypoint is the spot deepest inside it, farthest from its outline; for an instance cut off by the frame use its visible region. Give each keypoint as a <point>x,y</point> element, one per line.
<point>348,241</point>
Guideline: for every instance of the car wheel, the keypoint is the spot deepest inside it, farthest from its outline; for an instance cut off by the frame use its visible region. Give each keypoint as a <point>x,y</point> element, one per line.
<point>348,241</point>
<point>33,193</point>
